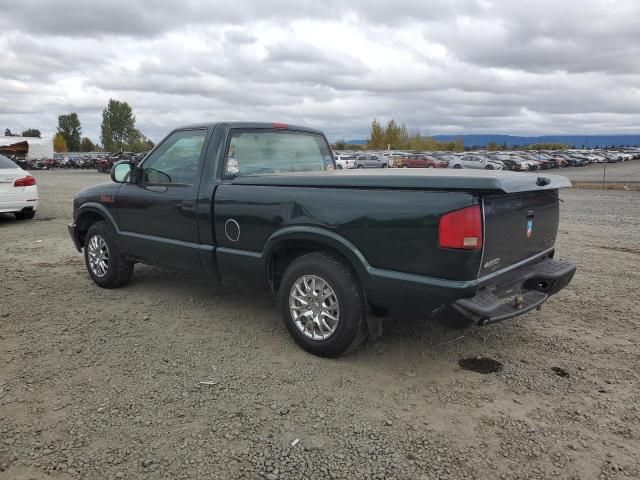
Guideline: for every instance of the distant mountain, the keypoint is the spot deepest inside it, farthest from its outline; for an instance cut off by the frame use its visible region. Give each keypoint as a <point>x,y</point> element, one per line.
<point>588,141</point>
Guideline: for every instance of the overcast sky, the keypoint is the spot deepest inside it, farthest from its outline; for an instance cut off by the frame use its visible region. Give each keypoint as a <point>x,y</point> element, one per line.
<point>442,66</point>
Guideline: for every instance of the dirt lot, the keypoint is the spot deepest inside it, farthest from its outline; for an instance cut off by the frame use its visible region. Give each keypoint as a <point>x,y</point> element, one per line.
<point>105,384</point>
<point>622,172</point>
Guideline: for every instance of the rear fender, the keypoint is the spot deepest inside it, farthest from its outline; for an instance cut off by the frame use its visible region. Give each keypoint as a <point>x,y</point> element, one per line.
<point>323,237</point>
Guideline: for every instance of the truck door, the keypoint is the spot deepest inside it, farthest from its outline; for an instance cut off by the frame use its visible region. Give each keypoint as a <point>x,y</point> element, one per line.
<point>157,214</point>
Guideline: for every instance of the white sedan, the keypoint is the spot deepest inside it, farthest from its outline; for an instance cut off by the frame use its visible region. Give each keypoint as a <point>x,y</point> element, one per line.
<point>18,190</point>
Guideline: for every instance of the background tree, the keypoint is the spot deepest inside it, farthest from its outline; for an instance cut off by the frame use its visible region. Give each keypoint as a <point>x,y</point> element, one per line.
<point>69,127</point>
<point>404,137</point>
<point>118,129</point>
<point>86,145</point>
<point>139,143</point>
<point>392,135</point>
<point>59,143</point>
<point>7,133</point>
<point>31,132</point>
<point>340,145</point>
<point>458,144</point>
<point>376,136</point>
<point>492,146</point>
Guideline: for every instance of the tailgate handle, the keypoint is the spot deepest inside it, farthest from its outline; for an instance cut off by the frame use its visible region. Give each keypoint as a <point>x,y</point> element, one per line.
<point>542,181</point>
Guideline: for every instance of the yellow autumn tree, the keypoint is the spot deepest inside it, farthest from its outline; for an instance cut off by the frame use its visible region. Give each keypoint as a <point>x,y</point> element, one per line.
<point>59,144</point>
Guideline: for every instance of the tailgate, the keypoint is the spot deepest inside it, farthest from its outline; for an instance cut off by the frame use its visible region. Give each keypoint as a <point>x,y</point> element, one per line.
<point>518,226</point>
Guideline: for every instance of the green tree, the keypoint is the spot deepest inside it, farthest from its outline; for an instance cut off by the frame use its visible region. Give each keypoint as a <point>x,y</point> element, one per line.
<point>118,129</point>
<point>340,145</point>
<point>69,127</point>
<point>31,132</point>
<point>139,143</point>
<point>404,137</point>
<point>59,143</point>
<point>377,135</point>
<point>392,135</point>
<point>7,133</point>
<point>86,145</point>
<point>458,144</point>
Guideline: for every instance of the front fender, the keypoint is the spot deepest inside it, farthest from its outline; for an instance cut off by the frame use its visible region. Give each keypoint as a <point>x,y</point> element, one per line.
<point>92,208</point>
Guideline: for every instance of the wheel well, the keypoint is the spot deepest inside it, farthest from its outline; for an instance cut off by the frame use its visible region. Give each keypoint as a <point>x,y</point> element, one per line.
<point>85,221</point>
<point>288,250</point>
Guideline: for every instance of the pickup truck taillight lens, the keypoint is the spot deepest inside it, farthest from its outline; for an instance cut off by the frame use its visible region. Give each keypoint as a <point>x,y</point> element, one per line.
<point>461,229</point>
<point>27,181</point>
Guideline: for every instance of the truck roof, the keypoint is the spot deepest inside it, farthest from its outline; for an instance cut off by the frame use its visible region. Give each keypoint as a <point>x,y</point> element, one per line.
<point>251,125</point>
<point>413,179</point>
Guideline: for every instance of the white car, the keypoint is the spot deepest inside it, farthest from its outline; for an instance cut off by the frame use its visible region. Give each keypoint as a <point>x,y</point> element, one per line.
<point>345,161</point>
<point>476,161</point>
<point>18,190</point>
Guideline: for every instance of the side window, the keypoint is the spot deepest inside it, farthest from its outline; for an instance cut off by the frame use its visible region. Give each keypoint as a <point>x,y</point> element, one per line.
<point>176,159</point>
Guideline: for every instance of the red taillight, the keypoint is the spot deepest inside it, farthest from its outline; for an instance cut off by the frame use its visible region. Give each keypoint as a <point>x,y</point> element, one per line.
<point>27,181</point>
<point>461,229</point>
<point>280,125</point>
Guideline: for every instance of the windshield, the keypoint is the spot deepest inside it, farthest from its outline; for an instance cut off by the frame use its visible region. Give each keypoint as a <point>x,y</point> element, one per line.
<point>6,163</point>
<point>255,152</point>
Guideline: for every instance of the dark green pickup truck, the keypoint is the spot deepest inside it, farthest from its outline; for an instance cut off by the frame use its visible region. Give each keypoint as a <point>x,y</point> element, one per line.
<point>262,206</point>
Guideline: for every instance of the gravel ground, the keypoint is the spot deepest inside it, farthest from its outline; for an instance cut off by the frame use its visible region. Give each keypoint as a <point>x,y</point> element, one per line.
<point>624,172</point>
<point>106,384</point>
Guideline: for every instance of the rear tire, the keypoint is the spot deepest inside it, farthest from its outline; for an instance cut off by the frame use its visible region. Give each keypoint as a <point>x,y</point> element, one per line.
<point>360,166</point>
<point>28,215</point>
<point>351,328</point>
<point>101,244</point>
<point>457,166</point>
<point>339,167</point>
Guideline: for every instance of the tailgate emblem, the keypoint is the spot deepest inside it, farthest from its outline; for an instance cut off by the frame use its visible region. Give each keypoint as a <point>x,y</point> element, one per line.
<point>529,228</point>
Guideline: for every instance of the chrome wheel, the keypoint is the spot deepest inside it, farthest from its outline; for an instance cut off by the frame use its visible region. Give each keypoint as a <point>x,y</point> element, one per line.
<point>314,307</point>
<point>98,256</point>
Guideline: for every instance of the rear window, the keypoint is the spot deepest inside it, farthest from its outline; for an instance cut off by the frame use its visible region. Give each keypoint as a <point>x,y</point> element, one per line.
<point>259,152</point>
<point>6,163</point>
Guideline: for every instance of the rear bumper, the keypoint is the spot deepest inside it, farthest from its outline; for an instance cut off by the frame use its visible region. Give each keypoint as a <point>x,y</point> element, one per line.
<point>517,292</point>
<point>18,206</point>
<point>75,236</point>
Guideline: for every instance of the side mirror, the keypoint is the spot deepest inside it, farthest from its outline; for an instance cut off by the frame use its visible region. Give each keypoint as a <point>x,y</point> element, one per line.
<point>121,171</point>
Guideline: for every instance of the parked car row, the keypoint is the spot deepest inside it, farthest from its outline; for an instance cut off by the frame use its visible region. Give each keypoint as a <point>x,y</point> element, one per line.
<point>102,163</point>
<point>519,161</point>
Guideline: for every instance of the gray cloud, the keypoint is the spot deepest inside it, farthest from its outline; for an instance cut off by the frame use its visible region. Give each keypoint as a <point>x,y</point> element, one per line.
<point>448,66</point>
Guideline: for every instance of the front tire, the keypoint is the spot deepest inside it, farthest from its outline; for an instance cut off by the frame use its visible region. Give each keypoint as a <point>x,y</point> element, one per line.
<point>457,166</point>
<point>339,167</point>
<point>103,258</point>
<point>322,305</point>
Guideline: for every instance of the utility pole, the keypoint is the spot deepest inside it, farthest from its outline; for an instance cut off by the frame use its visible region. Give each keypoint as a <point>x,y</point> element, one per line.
<point>604,172</point>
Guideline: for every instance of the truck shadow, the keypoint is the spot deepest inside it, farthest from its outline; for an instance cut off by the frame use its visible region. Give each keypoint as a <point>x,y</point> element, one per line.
<point>221,306</point>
